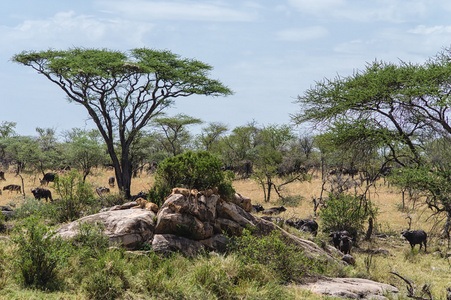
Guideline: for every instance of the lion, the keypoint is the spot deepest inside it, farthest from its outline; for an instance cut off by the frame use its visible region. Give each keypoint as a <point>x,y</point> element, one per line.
<point>182,191</point>
<point>144,204</point>
<point>210,192</point>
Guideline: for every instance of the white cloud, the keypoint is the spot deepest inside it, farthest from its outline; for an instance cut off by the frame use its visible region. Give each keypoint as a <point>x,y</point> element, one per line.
<point>179,10</point>
<point>302,34</point>
<point>395,11</point>
<point>66,29</point>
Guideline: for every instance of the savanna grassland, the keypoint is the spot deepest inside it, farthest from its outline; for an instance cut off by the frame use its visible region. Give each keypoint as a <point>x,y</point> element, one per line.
<point>432,267</point>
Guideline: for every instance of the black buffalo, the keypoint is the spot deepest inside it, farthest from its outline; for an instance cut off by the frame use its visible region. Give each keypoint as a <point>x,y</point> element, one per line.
<point>40,193</point>
<point>12,187</point>
<point>345,244</point>
<point>306,225</point>
<point>111,181</point>
<point>416,237</point>
<point>257,208</point>
<point>139,195</point>
<point>48,177</point>
<point>274,210</point>
<point>337,236</point>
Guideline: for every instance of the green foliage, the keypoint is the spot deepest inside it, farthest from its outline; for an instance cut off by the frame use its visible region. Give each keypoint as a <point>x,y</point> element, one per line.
<point>107,279</point>
<point>39,254</point>
<point>346,212</point>
<point>31,206</point>
<point>288,261</point>
<point>76,196</point>
<point>174,135</point>
<point>91,240</point>
<point>85,150</point>
<point>194,170</point>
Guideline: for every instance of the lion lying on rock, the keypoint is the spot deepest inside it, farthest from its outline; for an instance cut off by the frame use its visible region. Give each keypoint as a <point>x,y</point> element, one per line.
<point>144,204</point>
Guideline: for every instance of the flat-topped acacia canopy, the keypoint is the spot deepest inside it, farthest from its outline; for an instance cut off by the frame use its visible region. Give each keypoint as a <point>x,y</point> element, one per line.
<point>122,91</point>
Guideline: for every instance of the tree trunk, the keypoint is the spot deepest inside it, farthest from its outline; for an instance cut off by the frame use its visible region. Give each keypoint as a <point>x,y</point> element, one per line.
<point>369,232</point>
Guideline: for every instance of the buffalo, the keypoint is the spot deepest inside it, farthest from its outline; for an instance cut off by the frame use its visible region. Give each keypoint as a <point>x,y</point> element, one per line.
<point>111,181</point>
<point>48,177</point>
<point>274,210</point>
<point>416,237</point>
<point>39,193</point>
<point>257,208</point>
<point>102,190</point>
<point>337,236</point>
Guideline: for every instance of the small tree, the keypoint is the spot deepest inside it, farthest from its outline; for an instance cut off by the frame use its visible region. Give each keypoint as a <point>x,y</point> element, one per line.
<point>85,150</point>
<point>346,212</point>
<point>76,196</point>
<point>175,136</point>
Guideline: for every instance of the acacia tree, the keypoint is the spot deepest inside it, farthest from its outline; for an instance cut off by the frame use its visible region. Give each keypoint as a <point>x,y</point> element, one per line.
<point>85,150</point>
<point>393,106</point>
<point>122,91</point>
<point>174,133</point>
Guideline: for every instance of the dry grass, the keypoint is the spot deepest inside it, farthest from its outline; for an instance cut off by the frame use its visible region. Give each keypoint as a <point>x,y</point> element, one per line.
<point>432,267</point>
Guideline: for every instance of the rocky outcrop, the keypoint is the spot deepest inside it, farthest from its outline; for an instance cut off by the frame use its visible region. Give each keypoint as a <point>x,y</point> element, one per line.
<point>127,227</point>
<point>351,288</point>
<point>187,223</point>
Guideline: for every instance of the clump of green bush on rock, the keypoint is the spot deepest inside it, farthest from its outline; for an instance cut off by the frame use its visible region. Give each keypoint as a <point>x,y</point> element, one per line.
<point>193,170</point>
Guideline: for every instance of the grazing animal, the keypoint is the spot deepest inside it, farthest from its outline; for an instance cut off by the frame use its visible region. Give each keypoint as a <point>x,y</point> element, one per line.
<point>345,244</point>
<point>101,190</point>
<point>139,195</point>
<point>48,177</point>
<point>273,219</point>
<point>12,187</point>
<point>39,193</point>
<point>2,175</point>
<point>336,236</point>
<point>257,208</point>
<point>310,226</point>
<point>274,210</point>
<point>416,237</point>
<point>144,204</point>
<point>111,181</point>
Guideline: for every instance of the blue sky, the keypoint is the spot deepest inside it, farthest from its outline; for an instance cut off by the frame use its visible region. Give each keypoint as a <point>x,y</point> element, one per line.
<point>267,52</point>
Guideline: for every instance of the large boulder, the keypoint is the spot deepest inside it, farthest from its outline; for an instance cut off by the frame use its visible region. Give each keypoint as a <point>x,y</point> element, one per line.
<point>128,228</point>
<point>170,243</point>
<point>351,288</point>
<point>243,202</point>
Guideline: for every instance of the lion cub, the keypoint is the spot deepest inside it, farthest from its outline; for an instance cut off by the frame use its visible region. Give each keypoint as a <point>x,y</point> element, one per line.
<point>142,203</point>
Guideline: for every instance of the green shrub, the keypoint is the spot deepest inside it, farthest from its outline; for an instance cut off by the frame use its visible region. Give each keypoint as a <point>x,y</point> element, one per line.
<point>287,260</point>
<point>91,240</point>
<point>346,212</point>
<point>194,170</point>
<point>39,254</point>
<point>107,279</point>
<point>32,206</point>
<point>76,197</point>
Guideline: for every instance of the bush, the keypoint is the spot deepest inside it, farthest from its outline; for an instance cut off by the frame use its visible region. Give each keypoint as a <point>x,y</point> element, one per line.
<point>39,254</point>
<point>32,206</point>
<point>107,278</point>
<point>76,197</point>
<point>286,259</point>
<point>91,240</point>
<point>194,170</point>
<point>346,212</point>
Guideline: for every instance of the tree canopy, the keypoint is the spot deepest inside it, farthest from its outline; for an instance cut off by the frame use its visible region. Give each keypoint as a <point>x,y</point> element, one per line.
<point>397,109</point>
<point>123,91</point>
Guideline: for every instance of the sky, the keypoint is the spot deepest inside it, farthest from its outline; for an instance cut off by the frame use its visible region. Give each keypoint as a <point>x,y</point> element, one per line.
<point>266,52</point>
